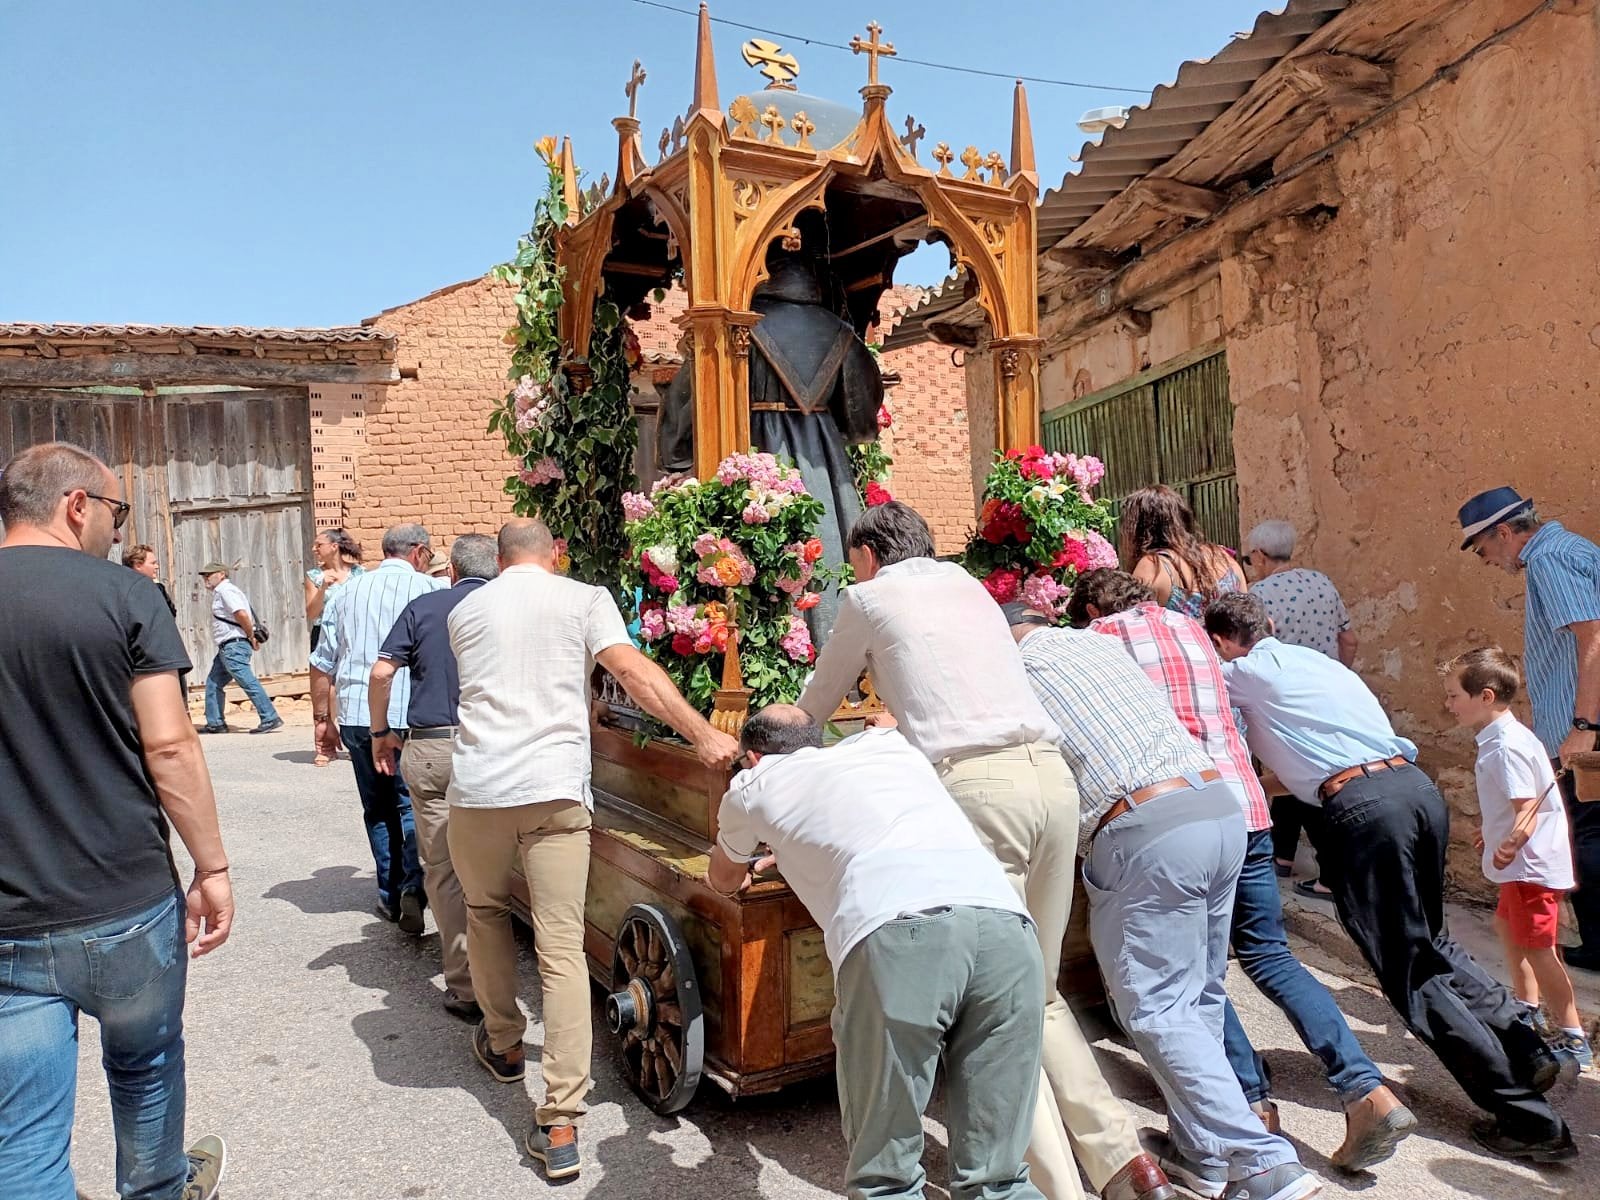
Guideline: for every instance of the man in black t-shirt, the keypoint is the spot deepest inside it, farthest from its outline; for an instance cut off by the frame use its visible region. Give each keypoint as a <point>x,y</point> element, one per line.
<point>92,917</point>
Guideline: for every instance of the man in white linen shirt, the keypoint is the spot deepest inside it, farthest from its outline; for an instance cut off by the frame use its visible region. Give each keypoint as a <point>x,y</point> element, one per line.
<point>932,953</point>
<point>943,660</point>
<point>525,646</point>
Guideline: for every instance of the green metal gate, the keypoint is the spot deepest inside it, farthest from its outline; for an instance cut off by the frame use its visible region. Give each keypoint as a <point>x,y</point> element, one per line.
<point>1171,425</point>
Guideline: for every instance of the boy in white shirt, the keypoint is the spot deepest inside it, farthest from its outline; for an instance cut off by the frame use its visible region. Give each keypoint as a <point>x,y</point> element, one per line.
<point>1526,844</point>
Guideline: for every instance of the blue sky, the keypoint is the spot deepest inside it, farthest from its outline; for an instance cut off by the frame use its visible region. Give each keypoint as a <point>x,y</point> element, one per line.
<point>311,162</point>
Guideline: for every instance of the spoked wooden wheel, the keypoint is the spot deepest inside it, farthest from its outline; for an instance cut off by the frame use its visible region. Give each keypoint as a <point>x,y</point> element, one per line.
<point>654,1009</point>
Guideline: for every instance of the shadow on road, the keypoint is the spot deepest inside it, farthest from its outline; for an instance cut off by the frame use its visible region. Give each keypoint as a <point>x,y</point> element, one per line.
<point>329,890</point>
<point>296,756</point>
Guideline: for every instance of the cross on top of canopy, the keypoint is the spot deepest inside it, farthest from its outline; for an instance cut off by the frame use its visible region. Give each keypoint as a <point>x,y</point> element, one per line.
<point>777,170</point>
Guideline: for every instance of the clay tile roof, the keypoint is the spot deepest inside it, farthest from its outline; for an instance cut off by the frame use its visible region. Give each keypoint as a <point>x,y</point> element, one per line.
<point>55,332</point>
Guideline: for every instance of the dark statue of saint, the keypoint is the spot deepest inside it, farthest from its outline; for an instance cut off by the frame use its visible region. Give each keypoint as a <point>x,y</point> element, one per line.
<point>814,388</point>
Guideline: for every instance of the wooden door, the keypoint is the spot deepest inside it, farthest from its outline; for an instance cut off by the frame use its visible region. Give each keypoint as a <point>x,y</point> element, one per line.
<point>1172,425</point>
<point>239,485</point>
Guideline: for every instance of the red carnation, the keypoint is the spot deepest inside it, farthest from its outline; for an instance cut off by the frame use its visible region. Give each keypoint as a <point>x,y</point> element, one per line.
<point>808,600</point>
<point>1002,519</point>
<point>683,643</point>
<point>1073,553</point>
<point>877,494</point>
<point>1003,584</point>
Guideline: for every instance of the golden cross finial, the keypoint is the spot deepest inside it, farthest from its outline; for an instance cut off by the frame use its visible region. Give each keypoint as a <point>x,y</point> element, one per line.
<point>804,126</point>
<point>972,159</point>
<point>873,49</point>
<point>942,154</point>
<point>743,113</point>
<point>996,165</point>
<point>631,89</point>
<point>769,58</point>
<point>773,120</point>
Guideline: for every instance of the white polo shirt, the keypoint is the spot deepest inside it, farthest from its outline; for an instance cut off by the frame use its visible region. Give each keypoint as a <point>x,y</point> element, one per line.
<point>863,831</point>
<point>525,644</point>
<point>227,598</point>
<point>1513,765</point>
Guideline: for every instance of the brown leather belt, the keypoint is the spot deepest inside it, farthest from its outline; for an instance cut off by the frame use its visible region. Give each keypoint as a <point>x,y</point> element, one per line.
<point>769,407</point>
<point>1331,786</point>
<point>1133,799</point>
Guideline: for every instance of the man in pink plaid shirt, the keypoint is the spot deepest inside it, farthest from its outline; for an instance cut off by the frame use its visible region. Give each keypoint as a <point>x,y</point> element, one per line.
<point>1176,654</point>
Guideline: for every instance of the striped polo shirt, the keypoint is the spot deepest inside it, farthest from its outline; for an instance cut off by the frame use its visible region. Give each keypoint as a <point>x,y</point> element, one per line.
<point>364,613</point>
<point>1563,588</point>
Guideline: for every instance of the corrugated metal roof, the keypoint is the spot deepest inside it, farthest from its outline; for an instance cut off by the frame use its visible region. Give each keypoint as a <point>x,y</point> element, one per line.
<point>53,331</point>
<point>1178,112</point>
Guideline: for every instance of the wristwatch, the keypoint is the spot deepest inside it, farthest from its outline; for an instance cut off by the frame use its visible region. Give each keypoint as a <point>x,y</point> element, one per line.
<point>1584,726</point>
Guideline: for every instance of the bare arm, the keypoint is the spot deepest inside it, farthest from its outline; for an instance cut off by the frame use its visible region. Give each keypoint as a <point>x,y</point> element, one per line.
<point>652,689</point>
<point>1587,704</point>
<point>385,749</point>
<point>839,665</point>
<point>727,874</point>
<point>1348,644</point>
<point>242,619</point>
<point>316,594</point>
<point>177,767</point>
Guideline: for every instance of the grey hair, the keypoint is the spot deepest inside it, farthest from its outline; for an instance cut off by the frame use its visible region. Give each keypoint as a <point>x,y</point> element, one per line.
<point>1275,539</point>
<point>780,729</point>
<point>401,539</point>
<point>35,481</point>
<point>473,556</point>
<point>1525,521</point>
<point>523,538</point>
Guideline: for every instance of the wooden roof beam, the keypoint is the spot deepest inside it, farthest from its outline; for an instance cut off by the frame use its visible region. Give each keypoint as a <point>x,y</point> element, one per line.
<point>1082,259</point>
<point>1176,199</point>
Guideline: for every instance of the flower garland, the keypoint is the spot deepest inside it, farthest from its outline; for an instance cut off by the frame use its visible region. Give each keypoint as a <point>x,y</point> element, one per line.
<point>576,448</point>
<point>749,531</point>
<point>1040,527</point>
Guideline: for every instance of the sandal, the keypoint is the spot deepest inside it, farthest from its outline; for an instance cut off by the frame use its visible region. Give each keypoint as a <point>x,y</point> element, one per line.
<point>1312,889</point>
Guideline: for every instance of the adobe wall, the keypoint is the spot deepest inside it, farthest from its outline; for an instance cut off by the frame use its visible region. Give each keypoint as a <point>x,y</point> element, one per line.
<point>1438,336</point>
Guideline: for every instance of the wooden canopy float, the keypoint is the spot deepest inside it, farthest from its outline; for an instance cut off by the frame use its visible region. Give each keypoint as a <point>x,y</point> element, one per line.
<point>739,988</point>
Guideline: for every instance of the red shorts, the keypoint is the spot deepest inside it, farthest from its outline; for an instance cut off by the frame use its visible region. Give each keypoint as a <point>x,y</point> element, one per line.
<point>1532,911</point>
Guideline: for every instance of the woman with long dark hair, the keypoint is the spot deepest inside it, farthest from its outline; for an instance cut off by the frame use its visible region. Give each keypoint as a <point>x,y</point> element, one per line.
<point>1163,548</point>
<point>338,558</point>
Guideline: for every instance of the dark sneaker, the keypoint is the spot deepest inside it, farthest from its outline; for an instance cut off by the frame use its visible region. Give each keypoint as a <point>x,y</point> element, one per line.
<point>1286,1181</point>
<point>410,918</point>
<point>207,1158</point>
<point>509,1067</point>
<point>1573,1049</point>
<point>1543,1025</point>
<point>1542,1069</point>
<point>466,1010</point>
<point>269,726</point>
<point>556,1146</point>
<point>1200,1179</point>
<point>1492,1138</point>
<point>214,729</point>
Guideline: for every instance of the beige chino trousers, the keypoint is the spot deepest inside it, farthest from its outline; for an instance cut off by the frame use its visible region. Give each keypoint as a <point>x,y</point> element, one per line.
<point>551,841</point>
<point>425,766</point>
<point>1024,805</point>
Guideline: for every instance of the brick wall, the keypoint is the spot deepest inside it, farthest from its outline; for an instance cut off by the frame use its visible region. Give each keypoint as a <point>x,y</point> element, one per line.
<point>929,441</point>
<point>338,438</point>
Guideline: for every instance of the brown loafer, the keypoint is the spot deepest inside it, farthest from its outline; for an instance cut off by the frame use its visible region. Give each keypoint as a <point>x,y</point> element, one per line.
<point>1373,1126</point>
<point>1141,1179</point>
<point>1268,1112</point>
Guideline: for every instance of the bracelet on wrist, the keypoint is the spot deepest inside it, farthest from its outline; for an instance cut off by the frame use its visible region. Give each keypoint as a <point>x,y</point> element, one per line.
<point>381,733</point>
<point>199,874</point>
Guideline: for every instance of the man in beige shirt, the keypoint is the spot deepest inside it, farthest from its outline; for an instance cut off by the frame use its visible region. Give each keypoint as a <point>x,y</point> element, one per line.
<point>525,645</point>
<point>943,659</point>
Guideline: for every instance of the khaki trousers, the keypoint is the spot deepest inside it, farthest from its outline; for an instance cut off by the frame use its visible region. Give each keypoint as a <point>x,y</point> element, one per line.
<point>425,766</point>
<point>1024,805</point>
<point>551,840</point>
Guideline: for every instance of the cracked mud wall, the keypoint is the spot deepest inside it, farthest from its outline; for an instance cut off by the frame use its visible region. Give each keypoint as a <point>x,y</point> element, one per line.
<point>1438,335</point>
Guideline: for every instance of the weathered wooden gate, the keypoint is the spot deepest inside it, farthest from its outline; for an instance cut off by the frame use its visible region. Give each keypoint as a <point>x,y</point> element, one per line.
<point>211,474</point>
<point>239,490</point>
<point>1173,425</point>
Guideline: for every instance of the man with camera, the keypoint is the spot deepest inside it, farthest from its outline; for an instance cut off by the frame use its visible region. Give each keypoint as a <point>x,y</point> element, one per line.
<point>238,636</point>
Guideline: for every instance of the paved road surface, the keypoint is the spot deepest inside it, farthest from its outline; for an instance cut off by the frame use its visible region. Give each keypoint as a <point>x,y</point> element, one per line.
<point>318,1049</point>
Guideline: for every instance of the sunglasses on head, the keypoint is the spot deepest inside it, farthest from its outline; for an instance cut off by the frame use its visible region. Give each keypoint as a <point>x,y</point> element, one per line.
<point>119,508</point>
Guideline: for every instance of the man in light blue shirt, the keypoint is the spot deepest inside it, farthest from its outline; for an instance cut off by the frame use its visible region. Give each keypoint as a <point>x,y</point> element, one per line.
<point>1561,640</point>
<point>366,610</point>
<point>1315,724</point>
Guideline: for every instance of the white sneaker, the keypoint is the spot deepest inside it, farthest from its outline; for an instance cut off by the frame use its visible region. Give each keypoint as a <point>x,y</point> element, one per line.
<point>207,1159</point>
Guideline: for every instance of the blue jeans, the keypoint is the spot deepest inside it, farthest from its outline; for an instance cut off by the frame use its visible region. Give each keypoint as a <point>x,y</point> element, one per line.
<point>129,975</point>
<point>1262,948</point>
<point>233,662</point>
<point>386,809</point>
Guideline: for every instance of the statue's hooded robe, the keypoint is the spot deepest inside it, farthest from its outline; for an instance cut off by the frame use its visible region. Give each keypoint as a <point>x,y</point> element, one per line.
<point>814,387</point>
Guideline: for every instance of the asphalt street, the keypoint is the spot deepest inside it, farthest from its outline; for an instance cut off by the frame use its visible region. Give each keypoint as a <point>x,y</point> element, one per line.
<point>318,1049</point>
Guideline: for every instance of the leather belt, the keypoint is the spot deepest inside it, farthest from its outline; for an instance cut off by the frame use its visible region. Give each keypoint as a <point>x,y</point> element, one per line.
<point>1133,799</point>
<point>1330,787</point>
<point>767,406</point>
<point>231,641</point>
<point>432,733</point>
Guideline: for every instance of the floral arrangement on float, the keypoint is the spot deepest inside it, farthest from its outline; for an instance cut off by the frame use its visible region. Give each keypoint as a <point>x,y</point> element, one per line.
<point>1040,527</point>
<point>736,550</point>
<point>871,465</point>
<point>575,447</point>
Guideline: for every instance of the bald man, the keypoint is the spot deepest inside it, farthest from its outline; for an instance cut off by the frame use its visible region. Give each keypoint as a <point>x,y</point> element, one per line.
<point>97,757</point>
<point>525,646</point>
